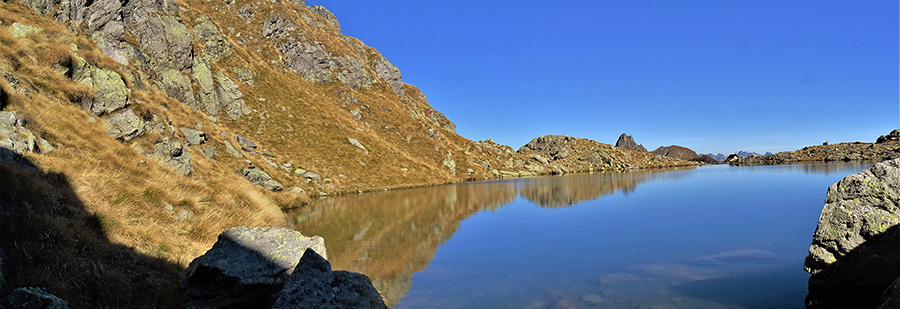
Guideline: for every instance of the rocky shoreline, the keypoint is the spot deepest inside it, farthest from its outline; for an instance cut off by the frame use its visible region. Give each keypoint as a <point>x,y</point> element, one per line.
<point>856,246</point>
<point>886,148</point>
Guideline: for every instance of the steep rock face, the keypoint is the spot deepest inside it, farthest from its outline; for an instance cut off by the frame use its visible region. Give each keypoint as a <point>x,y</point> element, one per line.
<point>675,151</point>
<point>856,242</point>
<point>627,142</point>
<point>245,268</point>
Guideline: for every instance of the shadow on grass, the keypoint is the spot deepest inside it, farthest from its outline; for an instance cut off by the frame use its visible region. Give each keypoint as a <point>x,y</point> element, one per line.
<point>52,241</point>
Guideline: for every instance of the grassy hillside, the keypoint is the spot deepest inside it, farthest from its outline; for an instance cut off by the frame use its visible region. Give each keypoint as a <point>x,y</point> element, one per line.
<point>104,198</point>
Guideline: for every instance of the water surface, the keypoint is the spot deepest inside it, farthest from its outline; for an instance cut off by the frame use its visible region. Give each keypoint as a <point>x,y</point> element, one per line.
<point>710,237</point>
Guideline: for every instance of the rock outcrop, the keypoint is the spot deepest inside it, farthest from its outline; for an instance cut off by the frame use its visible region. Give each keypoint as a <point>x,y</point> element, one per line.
<point>16,137</point>
<point>856,241</point>
<point>891,137</point>
<point>675,151</point>
<point>125,126</point>
<point>32,298</point>
<point>706,159</point>
<point>246,268</point>
<point>627,142</point>
<point>314,285</point>
<point>557,146</point>
<point>175,155</point>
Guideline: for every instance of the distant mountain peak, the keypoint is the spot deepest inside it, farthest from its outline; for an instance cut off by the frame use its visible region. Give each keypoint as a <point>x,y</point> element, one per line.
<point>627,142</point>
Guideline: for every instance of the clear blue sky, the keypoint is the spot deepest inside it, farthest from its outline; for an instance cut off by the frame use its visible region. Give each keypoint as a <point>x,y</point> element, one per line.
<point>714,76</point>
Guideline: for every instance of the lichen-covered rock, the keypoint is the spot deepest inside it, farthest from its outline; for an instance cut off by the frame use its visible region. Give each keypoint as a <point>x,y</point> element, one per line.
<point>14,136</point>
<point>194,137</point>
<point>178,86</point>
<point>314,285</point>
<point>262,179</point>
<point>857,241</point>
<point>310,61</point>
<point>32,298</point>
<point>175,155</point>
<point>230,149</point>
<point>111,92</point>
<point>19,30</point>
<point>353,72</point>
<point>125,125</point>
<point>244,141</point>
<point>214,44</point>
<point>245,268</point>
<point>325,13</point>
<point>231,100</point>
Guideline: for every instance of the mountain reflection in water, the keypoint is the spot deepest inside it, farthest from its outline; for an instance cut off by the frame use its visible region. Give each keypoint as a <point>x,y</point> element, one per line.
<point>715,236</point>
<point>392,234</point>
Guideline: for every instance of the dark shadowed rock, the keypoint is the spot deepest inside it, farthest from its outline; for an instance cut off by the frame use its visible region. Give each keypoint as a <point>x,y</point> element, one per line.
<point>262,179</point>
<point>890,299</point>
<point>2,270</point>
<point>125,125</point>
<point>891,137</point>
<point>627,142</point>
<point>314,285</point>
<point>32,298</point>
<point>175,155</point>
<point>856,241</point>
<point>676,152</point>
<point>246,268</point>
<point>706,159</point>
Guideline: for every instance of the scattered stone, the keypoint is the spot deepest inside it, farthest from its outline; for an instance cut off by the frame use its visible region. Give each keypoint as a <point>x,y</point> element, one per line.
<point>194,137</point>
<point>14,135</point>
<point>262,179</point>
<point>245,142</point>
<point>208,35</point>
<point>125,126</point>
<point>856,239</point>
<point>297,190</point>
<point>244,75</point>
<point>627,142</point>
<point>246,268</point>
<point>182,215</point>
<point>314,285</point>
<point>312,176</point>
<point>175,155</point>
<point>230,149</point>
<point>19,30</point>
<point>32,298</point>
<point>210,152</point>
<point>356,143</point>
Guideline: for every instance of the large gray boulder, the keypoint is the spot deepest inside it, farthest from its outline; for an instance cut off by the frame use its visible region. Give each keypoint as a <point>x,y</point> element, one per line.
<point>627,142</point>
<point>194,137</point>
<point>857,240</point>
<point>246,268</point>
<point>111,92</point>
<point>125,125</point>
<point>257,177</point>
<point>32,298</point>
<point>314,285</point>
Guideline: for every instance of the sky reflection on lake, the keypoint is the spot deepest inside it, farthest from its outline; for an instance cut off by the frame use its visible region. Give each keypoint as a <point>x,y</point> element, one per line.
<point>710,237</point>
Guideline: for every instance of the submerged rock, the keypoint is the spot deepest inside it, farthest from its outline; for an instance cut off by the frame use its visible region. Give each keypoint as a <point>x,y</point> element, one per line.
<point>857,241</point>
<point>246,268</point>
<point>314,285</point>
<point>32,298</point>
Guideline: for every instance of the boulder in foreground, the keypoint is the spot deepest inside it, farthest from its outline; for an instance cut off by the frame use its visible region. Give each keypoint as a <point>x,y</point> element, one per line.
<point>314,285</point>
<point>857,240</point>
<point>246,268</point>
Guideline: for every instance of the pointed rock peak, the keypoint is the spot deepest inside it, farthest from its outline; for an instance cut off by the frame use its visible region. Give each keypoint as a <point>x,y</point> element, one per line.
<point>627,142</point>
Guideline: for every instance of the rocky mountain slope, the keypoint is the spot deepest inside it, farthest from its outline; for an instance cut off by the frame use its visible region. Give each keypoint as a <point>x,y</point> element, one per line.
<point>143,129</point>
<point>675,151</point>
<point>887,149</point>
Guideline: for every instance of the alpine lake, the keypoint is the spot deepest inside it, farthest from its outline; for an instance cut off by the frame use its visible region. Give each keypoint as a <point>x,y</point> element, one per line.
<point>715,236</point>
